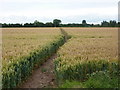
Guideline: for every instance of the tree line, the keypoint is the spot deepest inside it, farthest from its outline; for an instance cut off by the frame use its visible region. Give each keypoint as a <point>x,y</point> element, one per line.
<point>58,23</point>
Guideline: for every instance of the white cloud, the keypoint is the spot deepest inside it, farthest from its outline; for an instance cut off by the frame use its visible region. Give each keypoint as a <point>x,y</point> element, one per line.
<point>60,12</point>
<point>56,8</point>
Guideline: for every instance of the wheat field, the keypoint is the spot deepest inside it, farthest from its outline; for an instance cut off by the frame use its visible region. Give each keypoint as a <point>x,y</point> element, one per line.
<point>19,42</point>
<point>89,50</point>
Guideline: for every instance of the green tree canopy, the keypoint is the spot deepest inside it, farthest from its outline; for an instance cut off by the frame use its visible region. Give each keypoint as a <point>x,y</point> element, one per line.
<point>49,24</point>
<point>84,23</point>
<point>38,24</point>
<point>56,22</point>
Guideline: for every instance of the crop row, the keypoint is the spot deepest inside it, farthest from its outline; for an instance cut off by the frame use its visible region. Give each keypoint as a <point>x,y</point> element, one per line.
<point>81,71</point>
<point>18,70</point>
<point>86,53</point>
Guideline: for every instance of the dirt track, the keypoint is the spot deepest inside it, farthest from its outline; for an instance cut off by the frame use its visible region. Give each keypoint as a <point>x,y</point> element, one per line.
<point>43,77</point>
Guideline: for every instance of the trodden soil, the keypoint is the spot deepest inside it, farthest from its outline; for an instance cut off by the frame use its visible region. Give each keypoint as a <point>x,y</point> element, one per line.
<point>43,77</point>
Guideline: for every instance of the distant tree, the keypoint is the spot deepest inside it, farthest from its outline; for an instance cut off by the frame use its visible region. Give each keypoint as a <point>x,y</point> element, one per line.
<point>5,25</point>
<point>84,23</point>
<point>49,24</point>
<point>92,25</point>
<point>97,25</point>
<point>118,24</point>
<point>112,23</point>
<point>0,23</point>
<point>38,24</point>
<point>17,25</point>
<point>28,25</point>
<point>105,24</point>
<point>56,22</point>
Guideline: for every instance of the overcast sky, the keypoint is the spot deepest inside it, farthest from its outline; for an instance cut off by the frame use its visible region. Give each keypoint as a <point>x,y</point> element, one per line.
<point>69,11</point>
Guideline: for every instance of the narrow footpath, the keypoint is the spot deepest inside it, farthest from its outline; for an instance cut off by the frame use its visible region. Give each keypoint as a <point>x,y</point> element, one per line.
<point>43,77</point>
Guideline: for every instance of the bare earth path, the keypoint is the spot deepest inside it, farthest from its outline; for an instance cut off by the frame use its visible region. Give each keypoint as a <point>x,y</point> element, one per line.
<point>43,77</point>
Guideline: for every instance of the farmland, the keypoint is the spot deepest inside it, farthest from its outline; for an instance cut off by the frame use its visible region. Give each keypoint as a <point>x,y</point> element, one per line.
<point>24,49</point>
<point>88,51</point>
<point>91,44</point>
<point>19,42</point>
